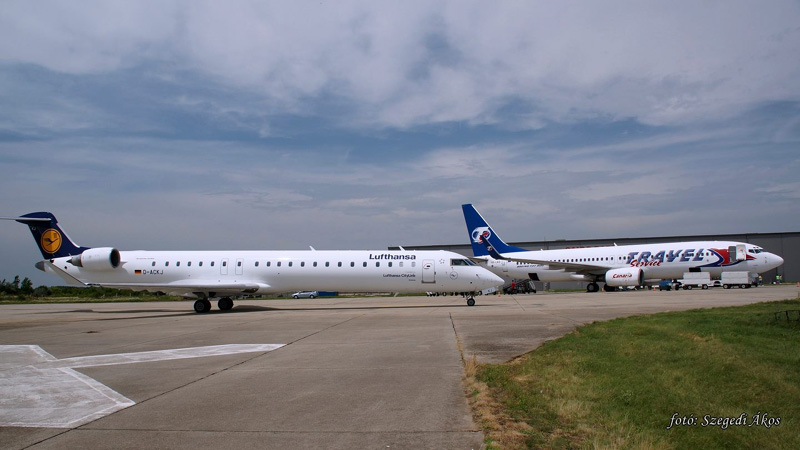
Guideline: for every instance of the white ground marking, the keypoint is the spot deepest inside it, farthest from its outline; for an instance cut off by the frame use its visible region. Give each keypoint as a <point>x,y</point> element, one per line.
<point>38,390</point>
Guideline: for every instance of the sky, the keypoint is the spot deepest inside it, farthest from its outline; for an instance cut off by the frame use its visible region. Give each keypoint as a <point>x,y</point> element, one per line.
<point>192,125</point>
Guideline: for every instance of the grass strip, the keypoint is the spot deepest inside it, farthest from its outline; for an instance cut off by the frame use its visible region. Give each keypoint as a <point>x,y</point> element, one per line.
<point>708,378</point>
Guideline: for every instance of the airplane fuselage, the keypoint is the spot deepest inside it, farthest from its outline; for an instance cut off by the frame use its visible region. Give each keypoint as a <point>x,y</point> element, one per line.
<point>220,273</point>
<point>657,261</point>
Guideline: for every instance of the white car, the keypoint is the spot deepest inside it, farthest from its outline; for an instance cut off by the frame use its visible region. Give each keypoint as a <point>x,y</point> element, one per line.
<point>306,294</point>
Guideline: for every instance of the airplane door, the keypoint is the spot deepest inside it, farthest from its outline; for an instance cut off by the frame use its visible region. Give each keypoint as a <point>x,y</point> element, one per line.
<point>239,266</point>
<point>223,267</point>
<point>504,265</point>
<point>428,271</point>
<point>737,253</point>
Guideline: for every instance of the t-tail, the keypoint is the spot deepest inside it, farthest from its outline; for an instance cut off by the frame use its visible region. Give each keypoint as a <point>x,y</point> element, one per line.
<point>482,236</point>
<point>53,242</point>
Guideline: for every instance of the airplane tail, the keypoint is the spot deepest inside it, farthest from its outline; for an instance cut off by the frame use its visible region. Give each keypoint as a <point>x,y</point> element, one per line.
<point>53,242</point>
<point>481,233</point>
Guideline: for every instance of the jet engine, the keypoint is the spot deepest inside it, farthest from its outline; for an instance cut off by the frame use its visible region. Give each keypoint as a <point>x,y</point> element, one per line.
<point>103,258</point>
<point>626,276</point>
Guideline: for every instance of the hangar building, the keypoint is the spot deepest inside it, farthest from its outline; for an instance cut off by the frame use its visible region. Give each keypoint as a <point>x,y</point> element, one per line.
<point>785,245</point>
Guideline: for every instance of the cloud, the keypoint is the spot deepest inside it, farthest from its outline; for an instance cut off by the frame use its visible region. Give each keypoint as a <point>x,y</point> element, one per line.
<point>406,65</point>
<point>177,124</point>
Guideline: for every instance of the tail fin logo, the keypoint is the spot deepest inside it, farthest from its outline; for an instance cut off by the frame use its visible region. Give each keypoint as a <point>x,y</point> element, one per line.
<point>481,233</point>
<point>51,240</point>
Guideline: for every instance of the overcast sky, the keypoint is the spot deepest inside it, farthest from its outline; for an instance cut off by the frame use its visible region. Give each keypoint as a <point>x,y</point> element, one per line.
<point>357,125</point>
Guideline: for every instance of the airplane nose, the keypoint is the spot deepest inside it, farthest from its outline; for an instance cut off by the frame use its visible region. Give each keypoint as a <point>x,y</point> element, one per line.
<point>776,260</point>
<point>488,279</point>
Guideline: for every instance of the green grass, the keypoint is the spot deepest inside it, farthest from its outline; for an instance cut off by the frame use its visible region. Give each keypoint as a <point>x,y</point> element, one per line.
<point>618,383</point>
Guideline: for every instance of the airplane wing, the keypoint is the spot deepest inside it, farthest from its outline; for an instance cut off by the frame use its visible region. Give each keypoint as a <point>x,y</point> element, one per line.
<point>191,286</point>
<point>579,268</point>
<point>180,287</point>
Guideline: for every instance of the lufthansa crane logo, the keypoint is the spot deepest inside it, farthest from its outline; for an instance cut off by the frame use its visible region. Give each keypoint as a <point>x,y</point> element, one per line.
<point>51,240</point>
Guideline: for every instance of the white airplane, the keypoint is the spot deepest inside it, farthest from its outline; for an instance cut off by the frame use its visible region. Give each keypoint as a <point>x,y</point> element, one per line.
<point>617,266</point>
<point>230,274</point>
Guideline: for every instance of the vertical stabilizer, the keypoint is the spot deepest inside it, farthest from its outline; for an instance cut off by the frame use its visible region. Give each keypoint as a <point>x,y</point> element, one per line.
<point>478,229</point>
<point>53,242</point>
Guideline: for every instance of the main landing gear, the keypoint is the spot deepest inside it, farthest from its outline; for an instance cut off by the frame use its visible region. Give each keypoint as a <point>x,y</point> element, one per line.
<point>592,287</point>
<point>204,305</point>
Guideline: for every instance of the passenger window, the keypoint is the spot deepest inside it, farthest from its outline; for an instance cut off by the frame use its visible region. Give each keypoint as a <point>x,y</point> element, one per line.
<point>256,263</point>
<point>224,263</point>
<point>166,264</point>
<point>278,264</point>
<point>238,264</point>
<point>401,263</point>
<point>290,264</point>
<point>302,263</point>
<point>154,264</point>
<point>413,264</point>
<point>189,264</point>
<point>365,264</point>
<point>200,264</point>
<point>269,263</point>
<point>212,263</point>
<point>340,264</point>
<point>327,263</point>
<point>390,264</point>
<point>352,264</point>
<point>315,264</point>
<point>177,264</point>
<point>377,264</point>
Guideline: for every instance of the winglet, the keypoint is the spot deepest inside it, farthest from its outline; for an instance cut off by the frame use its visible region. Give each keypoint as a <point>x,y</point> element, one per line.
<point>490,250</point>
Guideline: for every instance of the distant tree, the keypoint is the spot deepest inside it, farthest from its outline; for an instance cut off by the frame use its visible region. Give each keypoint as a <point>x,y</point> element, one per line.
<point>26,288</point>
<point>42,291</point>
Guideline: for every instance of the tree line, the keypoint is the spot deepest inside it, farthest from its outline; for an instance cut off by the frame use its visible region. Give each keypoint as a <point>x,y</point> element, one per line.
<point>23,289</point>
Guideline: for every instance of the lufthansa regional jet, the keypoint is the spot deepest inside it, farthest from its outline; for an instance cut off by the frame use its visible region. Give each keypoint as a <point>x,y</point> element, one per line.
<point>617,266</point>
<point>225,275</point>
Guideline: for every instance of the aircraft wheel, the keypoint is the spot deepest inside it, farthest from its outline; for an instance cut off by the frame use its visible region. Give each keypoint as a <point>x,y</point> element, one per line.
<point>592,287</point>
<point>225,304</point>
<point>470,301</point>
<point>608,288</point>
<point>202,306</point>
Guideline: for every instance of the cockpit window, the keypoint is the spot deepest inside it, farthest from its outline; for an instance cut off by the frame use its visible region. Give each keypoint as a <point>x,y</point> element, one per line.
<point>461,262</point>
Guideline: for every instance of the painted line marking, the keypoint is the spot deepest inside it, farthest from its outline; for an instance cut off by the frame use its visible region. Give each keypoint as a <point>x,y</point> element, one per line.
<point>38,390</point>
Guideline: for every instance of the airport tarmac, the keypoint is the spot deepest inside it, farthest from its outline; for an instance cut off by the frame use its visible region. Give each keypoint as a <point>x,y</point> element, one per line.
<point>335,373</point>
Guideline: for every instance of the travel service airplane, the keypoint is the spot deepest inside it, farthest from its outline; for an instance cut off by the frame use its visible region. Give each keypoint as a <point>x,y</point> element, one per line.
<point>230,274</point>
<point>626,265</point>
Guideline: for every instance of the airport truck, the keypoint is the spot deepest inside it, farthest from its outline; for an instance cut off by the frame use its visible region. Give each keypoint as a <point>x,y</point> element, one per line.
<point>742,279</point>
<point>695,279</point>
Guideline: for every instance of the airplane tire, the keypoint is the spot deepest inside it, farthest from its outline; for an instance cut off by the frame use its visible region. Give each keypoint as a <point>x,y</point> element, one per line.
<point>202,306</point>
<point>592,287</point>
<point>470,301</point>
<point>225,304</point>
